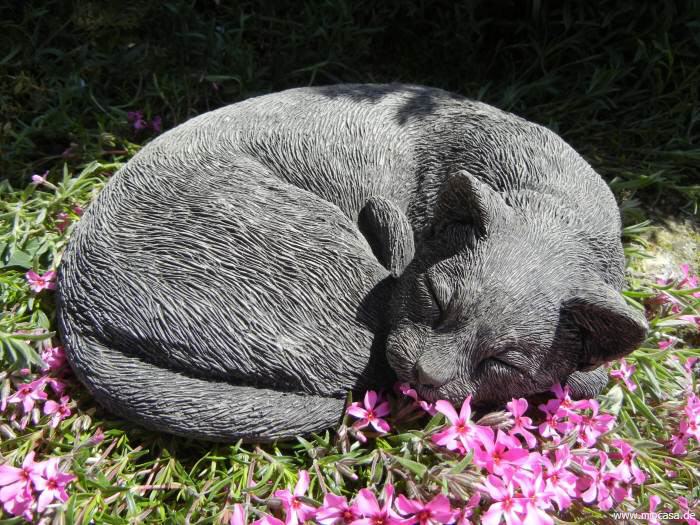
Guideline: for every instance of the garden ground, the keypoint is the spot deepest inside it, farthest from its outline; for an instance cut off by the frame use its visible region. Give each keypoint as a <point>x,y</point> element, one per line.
<point>84,84</point>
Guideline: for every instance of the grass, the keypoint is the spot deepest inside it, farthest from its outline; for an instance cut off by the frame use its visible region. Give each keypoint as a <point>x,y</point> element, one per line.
<point>619,81</point>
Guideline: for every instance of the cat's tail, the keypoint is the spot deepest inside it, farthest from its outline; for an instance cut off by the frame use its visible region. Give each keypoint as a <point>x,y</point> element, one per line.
<point>165,400</point>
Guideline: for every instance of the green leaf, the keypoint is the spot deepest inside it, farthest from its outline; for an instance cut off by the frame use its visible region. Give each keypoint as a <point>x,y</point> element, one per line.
<point>42,320</point>
<point>612,400</point>
<point>651,377</point>
<point>18,353</point>
<point>17,258</point>
<point>33,337</point>
<point>36,247</point>
<point>644,409</point>
<point>646,444</point>
<point>417,468</point>
<point>435,421</point>
<point>464,463</point>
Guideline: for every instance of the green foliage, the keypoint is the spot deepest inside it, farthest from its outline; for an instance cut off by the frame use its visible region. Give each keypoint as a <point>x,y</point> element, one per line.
<point>618,80</point>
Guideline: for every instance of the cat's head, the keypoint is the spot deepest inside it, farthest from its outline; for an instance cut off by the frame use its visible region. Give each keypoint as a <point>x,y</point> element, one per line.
<point>496,305</point>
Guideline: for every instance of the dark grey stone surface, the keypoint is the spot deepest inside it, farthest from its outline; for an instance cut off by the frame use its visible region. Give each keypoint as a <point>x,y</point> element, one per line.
<point>248,268</point>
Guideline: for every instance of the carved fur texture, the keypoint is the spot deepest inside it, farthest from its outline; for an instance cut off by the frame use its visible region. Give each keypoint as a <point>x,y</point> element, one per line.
<point>249,267</point>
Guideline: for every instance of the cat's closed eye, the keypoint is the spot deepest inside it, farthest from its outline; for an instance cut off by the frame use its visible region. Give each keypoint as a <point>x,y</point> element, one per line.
<point>430,307</point>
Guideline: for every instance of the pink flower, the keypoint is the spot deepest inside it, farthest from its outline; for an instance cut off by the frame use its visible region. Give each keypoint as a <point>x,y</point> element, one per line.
<point>62,221</point>
<point>462,434</point>
<point>663,281</point>
<point>60,410</point>
<point>437,510</point>
<point>627,469</point>
<point>238,517</point>
<point>521,424</point>
<point>505,504</point>
<point>137,120</point>
<point>560,413</point>
<point>683,504</point>
<point>21,505</point>
<point>679,444</point>
<point>689,426</point>
<point>463,515</point>
<point>590,427</point>
<point>16,485</point>
<point>54,357</point>
<point>603,485</point>
<point>406,390</point>
<point>560,482</point>
<point>39,180</point>
<point>29,393</point>
<point>500,455</point>
<point>372,513</point>
<point>296,510</point>
<point>624,373</point>
<point>689,364</point>
<point>691,319</point>
<point>268,520</point>
<point>654,501</point>
<point>77,210</point>
<point>668,343</point>
<point>335,511</point>
<point>689,280</point>
<point>97,438</point>
<point>548,428</point>
<point>51,483</point>
<point>157,124</point>
<point>370,413</point>
<point>41,282</point>
<point>565,405</point>
<point>56,385</point>
<point>612,490</point>
<point>536,497</point>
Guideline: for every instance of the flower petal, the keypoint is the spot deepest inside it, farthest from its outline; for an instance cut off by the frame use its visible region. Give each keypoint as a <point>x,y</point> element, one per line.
<point>445,407</point>
<point>357,411</point>
<point>493,515</point>
<point>439,504</point>
<point>303,483</point>
<point>370,399</point>
<point>381,425</point>
<point>382,409</point>
<point>9,474</point>
<point>45,498</point>
<point>367,503</point>
<point>408,506</point>
<point>268,520</point>
<point>466,411</point>
<point>238,516</point>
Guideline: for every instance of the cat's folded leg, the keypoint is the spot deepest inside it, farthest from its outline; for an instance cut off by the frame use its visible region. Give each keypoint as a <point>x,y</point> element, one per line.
<point>587,385</point>
<point>166,400</point>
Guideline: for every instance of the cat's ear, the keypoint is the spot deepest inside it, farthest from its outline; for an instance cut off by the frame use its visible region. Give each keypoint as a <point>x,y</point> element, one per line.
<point>465,199</point>
<point>388,233</point>
<point>610,328</point>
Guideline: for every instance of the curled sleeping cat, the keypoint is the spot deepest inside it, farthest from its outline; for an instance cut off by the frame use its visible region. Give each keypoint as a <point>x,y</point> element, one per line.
<point>248,268</point>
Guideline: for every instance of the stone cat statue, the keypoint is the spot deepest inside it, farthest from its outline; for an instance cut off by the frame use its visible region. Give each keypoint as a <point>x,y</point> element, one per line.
<point>245,270</point>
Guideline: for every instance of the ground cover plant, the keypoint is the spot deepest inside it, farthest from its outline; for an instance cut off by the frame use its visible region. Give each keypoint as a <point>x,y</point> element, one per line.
<point>84,84</point>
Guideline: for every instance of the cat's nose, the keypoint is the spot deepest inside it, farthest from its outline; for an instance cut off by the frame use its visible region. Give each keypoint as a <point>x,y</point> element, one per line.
<point>432,374</point>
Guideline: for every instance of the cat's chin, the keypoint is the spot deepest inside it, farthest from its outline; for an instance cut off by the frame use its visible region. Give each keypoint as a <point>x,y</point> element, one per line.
<point>428,393</point>
<point>432,394</point>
